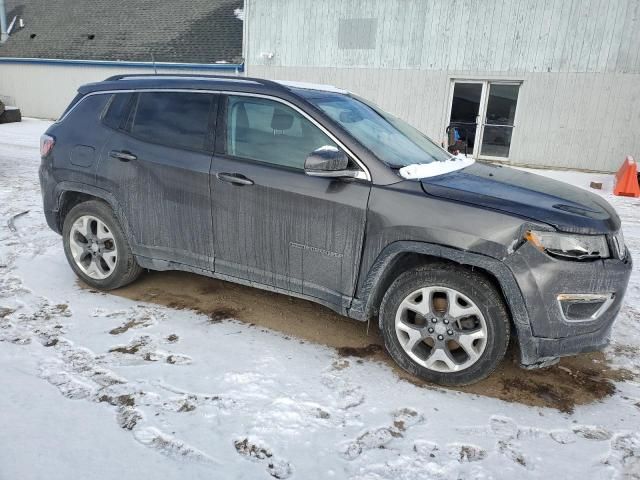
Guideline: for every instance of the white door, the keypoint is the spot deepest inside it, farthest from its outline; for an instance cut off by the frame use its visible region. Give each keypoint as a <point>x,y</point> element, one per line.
<point>482,117</point>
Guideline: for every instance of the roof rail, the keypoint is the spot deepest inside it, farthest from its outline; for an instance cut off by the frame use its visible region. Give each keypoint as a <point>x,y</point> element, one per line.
<point>261,81</point>
<point>160,75</point>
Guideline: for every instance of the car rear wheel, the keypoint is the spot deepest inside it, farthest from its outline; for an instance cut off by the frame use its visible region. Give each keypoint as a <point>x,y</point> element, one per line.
<point>96,247</point>
<point>445,324</point>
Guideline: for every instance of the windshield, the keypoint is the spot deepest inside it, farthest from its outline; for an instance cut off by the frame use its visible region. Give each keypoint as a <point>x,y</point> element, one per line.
<point>392,140</point>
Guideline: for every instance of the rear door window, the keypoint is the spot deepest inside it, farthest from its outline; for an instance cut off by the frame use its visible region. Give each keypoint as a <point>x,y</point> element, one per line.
<point>175,119</point>
<point>270,132</point>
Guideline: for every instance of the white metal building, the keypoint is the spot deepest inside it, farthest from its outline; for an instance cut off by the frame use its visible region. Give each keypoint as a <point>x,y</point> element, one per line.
<point>542,82</point>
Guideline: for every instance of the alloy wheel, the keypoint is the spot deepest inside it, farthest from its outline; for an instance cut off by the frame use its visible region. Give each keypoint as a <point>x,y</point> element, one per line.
<point>93,247</point>
<point>441,329</point>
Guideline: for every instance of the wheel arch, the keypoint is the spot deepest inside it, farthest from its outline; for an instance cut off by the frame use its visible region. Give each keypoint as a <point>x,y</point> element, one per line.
<point>399,256</point>
<point>70,194</point>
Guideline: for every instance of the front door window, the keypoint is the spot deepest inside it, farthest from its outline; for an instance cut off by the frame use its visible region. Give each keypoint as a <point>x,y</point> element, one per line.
<point>268,131</point>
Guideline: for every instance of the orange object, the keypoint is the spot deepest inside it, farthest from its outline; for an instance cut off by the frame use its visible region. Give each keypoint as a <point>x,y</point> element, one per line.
<point>627,179</point>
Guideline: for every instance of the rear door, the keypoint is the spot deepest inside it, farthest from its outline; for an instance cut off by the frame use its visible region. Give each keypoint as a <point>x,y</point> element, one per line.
<point>156,163</point>
<point>273,224</point>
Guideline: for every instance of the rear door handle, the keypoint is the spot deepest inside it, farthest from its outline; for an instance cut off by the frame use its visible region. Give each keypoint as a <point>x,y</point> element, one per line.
<point>123,156</point>
<point>235,178</point>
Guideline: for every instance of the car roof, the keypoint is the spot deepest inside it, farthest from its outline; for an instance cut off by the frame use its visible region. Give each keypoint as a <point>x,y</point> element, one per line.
<point>208,82</point>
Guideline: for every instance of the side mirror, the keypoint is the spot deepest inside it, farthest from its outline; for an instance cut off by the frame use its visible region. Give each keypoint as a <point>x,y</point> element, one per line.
<point>329,161</point>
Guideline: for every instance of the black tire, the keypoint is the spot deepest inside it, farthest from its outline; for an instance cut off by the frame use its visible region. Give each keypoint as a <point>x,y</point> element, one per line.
<point>474,286</point>
<point>126,268</point>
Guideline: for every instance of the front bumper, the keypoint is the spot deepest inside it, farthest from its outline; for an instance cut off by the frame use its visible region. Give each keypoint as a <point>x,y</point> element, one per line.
<point>542,279</point>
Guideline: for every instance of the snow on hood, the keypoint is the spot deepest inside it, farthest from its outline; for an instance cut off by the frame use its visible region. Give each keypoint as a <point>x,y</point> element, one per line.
<point>433,169</point>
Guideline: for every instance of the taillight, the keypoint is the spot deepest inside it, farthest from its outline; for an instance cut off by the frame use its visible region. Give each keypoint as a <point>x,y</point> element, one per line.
<point>46,145</point>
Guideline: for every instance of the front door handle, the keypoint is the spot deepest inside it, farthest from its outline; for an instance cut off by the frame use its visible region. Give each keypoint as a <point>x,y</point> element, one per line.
<point>235,178</point>
<point>123,156</point>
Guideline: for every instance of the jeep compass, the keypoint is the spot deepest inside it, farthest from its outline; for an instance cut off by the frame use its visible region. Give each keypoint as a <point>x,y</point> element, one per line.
<point>311,191</point>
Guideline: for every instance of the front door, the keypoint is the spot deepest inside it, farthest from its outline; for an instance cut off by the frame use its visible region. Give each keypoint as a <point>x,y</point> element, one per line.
<point>156,163</point>
<point>482,118</point>
<point>274,225</point>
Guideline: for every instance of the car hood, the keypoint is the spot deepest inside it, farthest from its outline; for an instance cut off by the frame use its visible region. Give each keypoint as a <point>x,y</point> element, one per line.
<point>568,208</point>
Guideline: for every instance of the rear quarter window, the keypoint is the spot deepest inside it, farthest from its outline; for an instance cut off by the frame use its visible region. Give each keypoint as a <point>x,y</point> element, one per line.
<point>75,100</point>
<point>87,109</point>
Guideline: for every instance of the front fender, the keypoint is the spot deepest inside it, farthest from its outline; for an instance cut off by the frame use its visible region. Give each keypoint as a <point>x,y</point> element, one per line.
<point>365,303</point>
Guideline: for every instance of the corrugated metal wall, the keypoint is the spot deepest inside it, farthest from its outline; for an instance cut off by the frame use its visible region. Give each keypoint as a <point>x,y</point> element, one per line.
<point>578,61</point>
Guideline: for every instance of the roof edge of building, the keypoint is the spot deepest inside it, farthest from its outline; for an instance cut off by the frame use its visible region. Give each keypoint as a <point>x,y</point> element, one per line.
<point>238,67</point>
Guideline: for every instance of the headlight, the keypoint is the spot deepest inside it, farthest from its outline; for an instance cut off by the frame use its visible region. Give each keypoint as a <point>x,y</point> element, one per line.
<point>618,245</point>
<point>569,246</point>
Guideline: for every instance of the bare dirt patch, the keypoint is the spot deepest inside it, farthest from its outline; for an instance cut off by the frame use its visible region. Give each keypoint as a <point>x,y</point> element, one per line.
<point>575,381</point>
<point>173,338</point>
<point>118,400</point>
<point>126,326</point>
<point>5,312</point>
<point>361,352</point>
<point>223,313</point>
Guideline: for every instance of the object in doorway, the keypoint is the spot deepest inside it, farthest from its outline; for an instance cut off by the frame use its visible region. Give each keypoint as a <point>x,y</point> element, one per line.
<point>596,185</point>
<point>626,181</point>
<point>10,115</point>
<point>457,138</point>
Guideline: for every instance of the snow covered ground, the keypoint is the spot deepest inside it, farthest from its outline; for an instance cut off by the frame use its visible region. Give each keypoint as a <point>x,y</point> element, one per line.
<point>93,385</point>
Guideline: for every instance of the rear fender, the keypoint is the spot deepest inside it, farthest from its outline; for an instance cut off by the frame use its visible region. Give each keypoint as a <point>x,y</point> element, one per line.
<point>64,188</point>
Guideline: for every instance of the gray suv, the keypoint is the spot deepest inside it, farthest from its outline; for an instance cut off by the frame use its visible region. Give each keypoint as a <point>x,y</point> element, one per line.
<point>311,191</point>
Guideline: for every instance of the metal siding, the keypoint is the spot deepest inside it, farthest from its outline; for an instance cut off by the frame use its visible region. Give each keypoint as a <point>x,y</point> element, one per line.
<point>525,36</point>
<point>579,61</point>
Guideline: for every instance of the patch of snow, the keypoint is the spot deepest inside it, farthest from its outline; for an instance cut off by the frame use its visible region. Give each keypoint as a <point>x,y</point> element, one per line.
<point>327,148</point>
<point>433,169</point>
<point>312,86</point>
<point>98,386</point>
<point>239,14</point>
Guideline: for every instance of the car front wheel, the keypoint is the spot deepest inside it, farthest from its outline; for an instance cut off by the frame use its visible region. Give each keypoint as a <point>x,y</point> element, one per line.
<point>445,324</point>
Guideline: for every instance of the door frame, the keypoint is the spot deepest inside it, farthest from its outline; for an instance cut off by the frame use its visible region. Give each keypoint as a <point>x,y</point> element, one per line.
<point>452,87</point>
<point>482,111</point>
